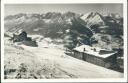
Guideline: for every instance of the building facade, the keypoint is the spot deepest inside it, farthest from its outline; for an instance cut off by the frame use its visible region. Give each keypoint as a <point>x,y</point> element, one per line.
<point>95,55</point>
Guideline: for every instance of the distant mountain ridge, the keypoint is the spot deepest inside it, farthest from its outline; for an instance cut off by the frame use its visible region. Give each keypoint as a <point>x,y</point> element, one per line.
<point>37,20</point>
<point>92,18</point>
<point>80,27</point>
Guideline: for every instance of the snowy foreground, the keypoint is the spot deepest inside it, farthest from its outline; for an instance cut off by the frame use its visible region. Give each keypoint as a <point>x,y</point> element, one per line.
<point>48,61</point>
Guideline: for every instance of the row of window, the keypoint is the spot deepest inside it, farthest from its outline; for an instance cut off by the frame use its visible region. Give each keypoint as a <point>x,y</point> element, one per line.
<point>89,58</point>
<point>78,55</point>
<point>94,60</point>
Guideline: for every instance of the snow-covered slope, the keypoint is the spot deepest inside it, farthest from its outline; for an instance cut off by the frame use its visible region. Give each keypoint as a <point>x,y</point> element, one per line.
<point>49,62</point>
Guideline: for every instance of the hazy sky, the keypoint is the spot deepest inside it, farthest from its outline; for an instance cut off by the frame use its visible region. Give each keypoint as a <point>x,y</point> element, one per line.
<point>11,9</point>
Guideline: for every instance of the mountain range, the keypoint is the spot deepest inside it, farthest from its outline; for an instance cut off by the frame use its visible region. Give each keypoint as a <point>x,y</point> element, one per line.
<point>91,28</point>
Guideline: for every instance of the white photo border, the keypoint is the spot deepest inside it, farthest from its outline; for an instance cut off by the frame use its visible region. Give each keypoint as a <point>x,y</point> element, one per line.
<point>124,2</point>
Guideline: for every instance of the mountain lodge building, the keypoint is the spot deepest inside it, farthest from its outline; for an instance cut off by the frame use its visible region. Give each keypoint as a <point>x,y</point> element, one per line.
<point>95,55</point>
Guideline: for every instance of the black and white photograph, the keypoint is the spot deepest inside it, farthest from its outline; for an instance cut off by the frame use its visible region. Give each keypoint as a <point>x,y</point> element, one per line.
<point>63,41</point>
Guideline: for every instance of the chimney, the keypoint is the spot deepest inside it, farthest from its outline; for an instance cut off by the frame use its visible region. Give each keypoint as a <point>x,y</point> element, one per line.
<point>95,49</point>
<point>84,49</point>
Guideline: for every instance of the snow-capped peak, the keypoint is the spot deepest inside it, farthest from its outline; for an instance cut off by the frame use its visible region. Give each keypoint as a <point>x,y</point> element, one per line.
<point>85,16</point>
<point>92,18</point>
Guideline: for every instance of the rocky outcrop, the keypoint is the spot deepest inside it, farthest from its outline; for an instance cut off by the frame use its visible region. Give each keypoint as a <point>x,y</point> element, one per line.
<point>22,37</point>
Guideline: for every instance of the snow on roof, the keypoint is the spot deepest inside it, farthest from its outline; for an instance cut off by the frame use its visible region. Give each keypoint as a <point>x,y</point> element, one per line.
<point>95,51</point>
